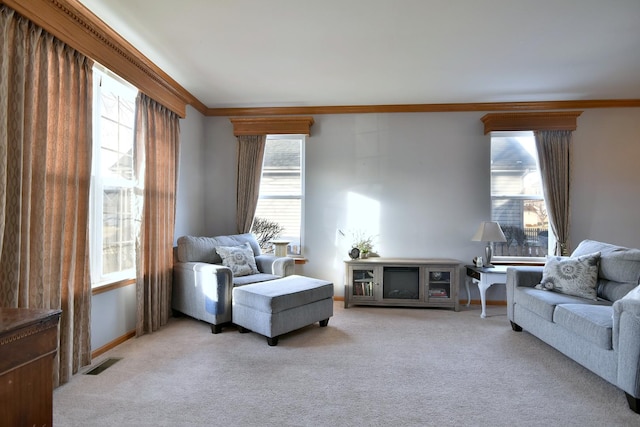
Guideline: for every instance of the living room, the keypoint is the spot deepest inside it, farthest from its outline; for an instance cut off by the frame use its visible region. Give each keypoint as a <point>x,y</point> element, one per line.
<point>391,159</point>
<point>424,176</point>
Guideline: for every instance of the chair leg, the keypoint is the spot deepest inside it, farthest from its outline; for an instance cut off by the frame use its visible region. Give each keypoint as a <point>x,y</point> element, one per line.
<point>516,327</point>
<point>272,341</point>
<point>324,323</point>
<point>243,330</point>
<point>634,403</point>
<point>216,329</point>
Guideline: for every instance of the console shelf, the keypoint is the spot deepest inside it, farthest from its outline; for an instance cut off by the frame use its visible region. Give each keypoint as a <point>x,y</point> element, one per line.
<point>407,282</point>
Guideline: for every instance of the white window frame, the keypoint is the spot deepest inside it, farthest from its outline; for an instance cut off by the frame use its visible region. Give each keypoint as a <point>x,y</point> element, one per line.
<point>104,79</point>
<point>301,196</point>
<point>551,242</point>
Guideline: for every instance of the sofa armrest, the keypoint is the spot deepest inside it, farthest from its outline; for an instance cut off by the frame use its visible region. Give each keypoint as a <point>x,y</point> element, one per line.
<point>203,291</point>
<point>626,341</point>
<point>271,264</point>
<point>521,276</point>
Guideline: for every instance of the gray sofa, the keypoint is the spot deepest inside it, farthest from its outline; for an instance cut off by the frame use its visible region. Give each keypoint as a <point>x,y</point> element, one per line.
<point>202,285</point>
<point>602,334</point>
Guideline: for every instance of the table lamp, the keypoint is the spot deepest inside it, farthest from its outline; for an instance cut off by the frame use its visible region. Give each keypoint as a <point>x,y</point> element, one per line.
<point>489,231</point>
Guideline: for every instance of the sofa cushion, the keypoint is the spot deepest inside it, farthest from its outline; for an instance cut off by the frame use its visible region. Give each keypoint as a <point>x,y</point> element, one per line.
<point>197,249</point>
<point>576,276</point>
<point>253,278</point>
<point>613,291</point>
<point>619,267</point>
<point>592,322</point>
<point>239,259</point>
<point>543,303</point>
<point>203,249</point>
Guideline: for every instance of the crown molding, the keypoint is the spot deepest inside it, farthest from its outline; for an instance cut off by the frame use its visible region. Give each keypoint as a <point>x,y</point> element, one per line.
<point>74,24</point>
<point>426,108</point>
<point>545,120</point>
<point>298,125</point>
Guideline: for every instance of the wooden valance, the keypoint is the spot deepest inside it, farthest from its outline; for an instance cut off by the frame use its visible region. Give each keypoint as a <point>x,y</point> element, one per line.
<point>299,125</point>
<point>545,120</point>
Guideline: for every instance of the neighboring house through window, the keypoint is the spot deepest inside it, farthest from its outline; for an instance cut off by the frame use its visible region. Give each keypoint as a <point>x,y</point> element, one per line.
<point>282,188</point>
<point>517,200</point>
<point>113,182</point>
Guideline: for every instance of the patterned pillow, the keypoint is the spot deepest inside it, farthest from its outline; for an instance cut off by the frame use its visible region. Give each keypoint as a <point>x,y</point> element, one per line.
<point>239,259</point>
<point>572,276</point>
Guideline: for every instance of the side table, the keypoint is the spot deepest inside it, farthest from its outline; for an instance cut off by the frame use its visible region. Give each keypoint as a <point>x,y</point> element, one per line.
<point>485,277</point>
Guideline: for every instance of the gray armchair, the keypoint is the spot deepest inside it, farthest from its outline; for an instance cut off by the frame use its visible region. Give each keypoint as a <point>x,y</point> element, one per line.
<point>202,286</point>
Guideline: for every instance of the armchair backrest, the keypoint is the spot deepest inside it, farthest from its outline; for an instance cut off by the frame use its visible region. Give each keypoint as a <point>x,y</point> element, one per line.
<point>203,249</point>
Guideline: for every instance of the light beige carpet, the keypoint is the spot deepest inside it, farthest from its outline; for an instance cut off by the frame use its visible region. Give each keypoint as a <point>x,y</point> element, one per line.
<point>372,366</point>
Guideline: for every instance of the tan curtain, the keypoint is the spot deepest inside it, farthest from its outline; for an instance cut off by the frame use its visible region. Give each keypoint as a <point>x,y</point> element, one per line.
<point>250,155</point>
<point>157,136</point>
<point>45,161</point>
<point>554,155</point>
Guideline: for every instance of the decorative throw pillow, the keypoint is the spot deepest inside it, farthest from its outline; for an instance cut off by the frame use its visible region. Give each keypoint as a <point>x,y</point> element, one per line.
<point>239,259</point>
<point>572,276</point>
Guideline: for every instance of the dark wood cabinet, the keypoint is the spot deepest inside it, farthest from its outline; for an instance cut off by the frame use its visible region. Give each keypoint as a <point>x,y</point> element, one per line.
<point>28,345</point>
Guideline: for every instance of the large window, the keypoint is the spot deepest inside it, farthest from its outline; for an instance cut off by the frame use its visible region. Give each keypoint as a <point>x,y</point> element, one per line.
<point>517,200</point>
<point>282,189</point>
<point>113,206</point>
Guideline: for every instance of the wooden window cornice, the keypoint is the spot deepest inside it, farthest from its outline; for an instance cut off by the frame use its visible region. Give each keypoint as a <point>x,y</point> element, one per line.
<point>74,24</point>
<point>545,120</point>
<point>298,125</point>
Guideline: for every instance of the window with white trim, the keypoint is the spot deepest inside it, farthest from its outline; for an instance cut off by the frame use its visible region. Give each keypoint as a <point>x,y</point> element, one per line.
<point>281,199</point>
<point>113,207</point>
<point>517,199</point>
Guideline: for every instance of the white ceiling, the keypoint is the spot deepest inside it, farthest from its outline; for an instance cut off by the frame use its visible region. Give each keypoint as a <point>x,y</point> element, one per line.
<point>265,53</point>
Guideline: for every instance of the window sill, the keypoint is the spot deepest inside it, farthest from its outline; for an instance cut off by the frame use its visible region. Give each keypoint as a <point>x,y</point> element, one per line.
<point>106,287</point>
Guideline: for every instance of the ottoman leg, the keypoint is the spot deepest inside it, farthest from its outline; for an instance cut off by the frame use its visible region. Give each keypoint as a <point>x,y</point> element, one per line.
<point>216,329</point>
<point>324,323</point>
<point>272,341</point>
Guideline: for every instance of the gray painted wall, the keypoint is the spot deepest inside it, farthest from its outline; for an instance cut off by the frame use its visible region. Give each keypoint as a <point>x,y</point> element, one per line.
<point>418,181</point>
<point>605,201</point>
<point>190,212</point>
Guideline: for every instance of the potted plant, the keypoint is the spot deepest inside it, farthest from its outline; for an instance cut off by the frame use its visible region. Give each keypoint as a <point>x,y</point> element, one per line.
<point>363,243</point>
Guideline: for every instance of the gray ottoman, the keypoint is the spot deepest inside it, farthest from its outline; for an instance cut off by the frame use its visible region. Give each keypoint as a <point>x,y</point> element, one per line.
<point>282,305</point>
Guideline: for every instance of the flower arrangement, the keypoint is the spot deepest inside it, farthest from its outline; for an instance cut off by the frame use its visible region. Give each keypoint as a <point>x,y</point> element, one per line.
<point>363,242</point>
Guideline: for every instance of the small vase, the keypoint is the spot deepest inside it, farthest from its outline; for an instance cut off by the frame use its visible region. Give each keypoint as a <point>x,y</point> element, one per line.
<point>364,255</point>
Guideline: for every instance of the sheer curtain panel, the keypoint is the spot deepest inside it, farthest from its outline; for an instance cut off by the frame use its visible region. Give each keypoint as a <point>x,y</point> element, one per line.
<point>157,137</point>
<point>45,161</point>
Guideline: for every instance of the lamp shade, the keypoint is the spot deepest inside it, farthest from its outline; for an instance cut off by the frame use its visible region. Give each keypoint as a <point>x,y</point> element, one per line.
<point>489,231</point>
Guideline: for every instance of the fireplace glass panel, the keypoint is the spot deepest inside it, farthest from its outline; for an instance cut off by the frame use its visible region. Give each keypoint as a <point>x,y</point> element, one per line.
<point>401,283</point>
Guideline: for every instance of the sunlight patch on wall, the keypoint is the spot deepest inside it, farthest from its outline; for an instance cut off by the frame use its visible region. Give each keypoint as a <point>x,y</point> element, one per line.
<point>363,215</point>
